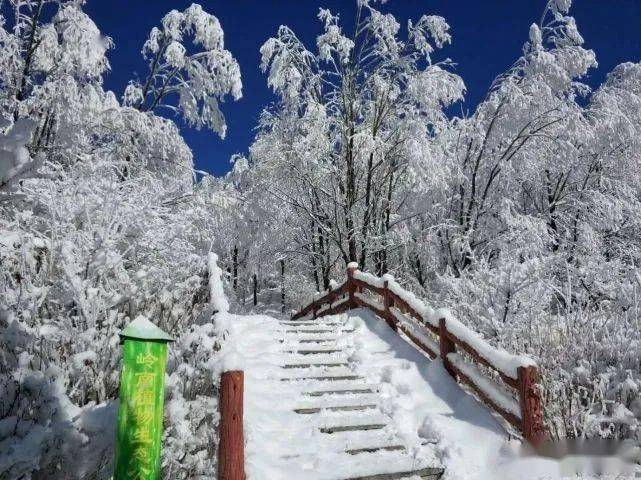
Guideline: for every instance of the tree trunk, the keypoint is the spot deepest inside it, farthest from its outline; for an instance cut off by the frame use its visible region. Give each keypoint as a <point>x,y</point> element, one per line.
<point>235,268</point>
<point>282,285</point>
<point>255,290</point>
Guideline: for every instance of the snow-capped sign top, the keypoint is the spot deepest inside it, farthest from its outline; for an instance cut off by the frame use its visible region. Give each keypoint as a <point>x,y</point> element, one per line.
<point>142,329</point>
<point>351,265</point>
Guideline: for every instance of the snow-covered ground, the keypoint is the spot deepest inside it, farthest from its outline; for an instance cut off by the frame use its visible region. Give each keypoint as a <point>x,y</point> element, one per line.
<point>414,407</point>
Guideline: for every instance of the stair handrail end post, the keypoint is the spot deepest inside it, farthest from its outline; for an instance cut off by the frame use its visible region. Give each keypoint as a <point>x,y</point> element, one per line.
<point>531,405</point>
<point>231,448</point>
<point>351,286</point>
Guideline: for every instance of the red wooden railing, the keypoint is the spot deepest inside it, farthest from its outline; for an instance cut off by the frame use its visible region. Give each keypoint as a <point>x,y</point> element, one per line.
<point>439,334</point>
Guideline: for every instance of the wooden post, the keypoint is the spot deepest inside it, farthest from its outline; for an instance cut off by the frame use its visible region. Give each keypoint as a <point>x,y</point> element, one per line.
<point>351,288</point>
<point>446,345</point>
<point>231,449</point>
<point>530,402</point>
<point>388,302</point>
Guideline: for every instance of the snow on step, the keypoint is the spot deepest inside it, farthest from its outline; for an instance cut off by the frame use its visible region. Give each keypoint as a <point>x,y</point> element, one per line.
<point>313,350</point>
<point>315,340</point>
<point>349,428</point>
<point>429,473</point>
<point>389,448</point>
<point>311,372</point>
<point>339,466</point>
<point>319,385</point>
<point>311,322</point>
<point>337,418</point>
<point>299,335</point>
<point>315,358</point>
<point>316,329</point>
<point>322,379</point>
<point>303,365</point>
<point>326,401</point>
<point>342,408</point>
<point>344,441</point>
<point>346,391</point>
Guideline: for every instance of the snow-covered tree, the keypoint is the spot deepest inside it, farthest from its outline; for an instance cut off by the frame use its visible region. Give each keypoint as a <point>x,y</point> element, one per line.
<point>99,221</point>
<point>190,79</point>
<point>354,117</point>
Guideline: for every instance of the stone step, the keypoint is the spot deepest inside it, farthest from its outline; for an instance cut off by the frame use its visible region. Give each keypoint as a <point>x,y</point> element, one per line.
<point>324,379</point>
<point>313,352</point>
<point>327,330</point>
<point>310,340</point>
<point>311,323</point>
<point>339,392</point>
<point>430,473</point>
<point>309,365</point>
<point>344,408</point>
<point>386,448</point>
<point>352,428</point>
<point>316,340</point>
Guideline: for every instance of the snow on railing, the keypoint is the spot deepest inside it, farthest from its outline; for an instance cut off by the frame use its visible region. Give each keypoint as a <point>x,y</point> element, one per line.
<point>330,297</point>
<point>439,334</point>
<point>217,296</point>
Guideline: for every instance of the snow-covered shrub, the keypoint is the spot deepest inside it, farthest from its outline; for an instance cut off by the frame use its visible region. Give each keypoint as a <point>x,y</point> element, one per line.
<point>100,221</point>
<point>191,409</point>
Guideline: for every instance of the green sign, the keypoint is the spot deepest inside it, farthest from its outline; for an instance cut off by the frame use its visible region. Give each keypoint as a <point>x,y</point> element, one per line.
<point>141,402</point>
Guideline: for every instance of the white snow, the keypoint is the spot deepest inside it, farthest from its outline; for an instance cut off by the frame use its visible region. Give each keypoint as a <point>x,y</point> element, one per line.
<point>368,278</point>
<point>216,290</point>
<point>232,360</point>
<point>141,327</point>
<point>505,362</point>
<point>15,160</point>
<point>284,445</point>
<point>487,386</point>
<point>422,407</point>
<point>371,301</point>
<point>416,330</point>
<point>502,360</point>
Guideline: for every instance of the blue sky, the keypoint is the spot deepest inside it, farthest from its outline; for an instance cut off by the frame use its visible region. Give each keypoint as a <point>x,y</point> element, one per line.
<point>487,39</point>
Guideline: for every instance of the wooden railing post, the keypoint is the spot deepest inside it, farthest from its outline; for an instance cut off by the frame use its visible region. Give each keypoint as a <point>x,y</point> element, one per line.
<point>351,287</point>
<point>231,449</point>
<point>530,402</point>
<point>446,345</point>
<point>388,302</point>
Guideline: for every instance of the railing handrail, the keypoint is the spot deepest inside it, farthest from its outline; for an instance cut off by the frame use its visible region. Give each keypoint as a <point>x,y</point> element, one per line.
<point>516,371</point>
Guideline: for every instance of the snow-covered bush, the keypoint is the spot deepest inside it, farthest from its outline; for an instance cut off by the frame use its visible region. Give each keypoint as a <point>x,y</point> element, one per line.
<point>100,221</point>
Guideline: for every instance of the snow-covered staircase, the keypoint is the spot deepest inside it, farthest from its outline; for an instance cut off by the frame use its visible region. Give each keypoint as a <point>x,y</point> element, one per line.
<point>345,406</point>
<point>342,396</point>
<point>326,421</point>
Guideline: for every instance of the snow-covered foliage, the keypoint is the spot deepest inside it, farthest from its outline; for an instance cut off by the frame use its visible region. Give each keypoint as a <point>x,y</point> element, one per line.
<point>524,217</point>
<point>189,79</point>
<point>100,221</point>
